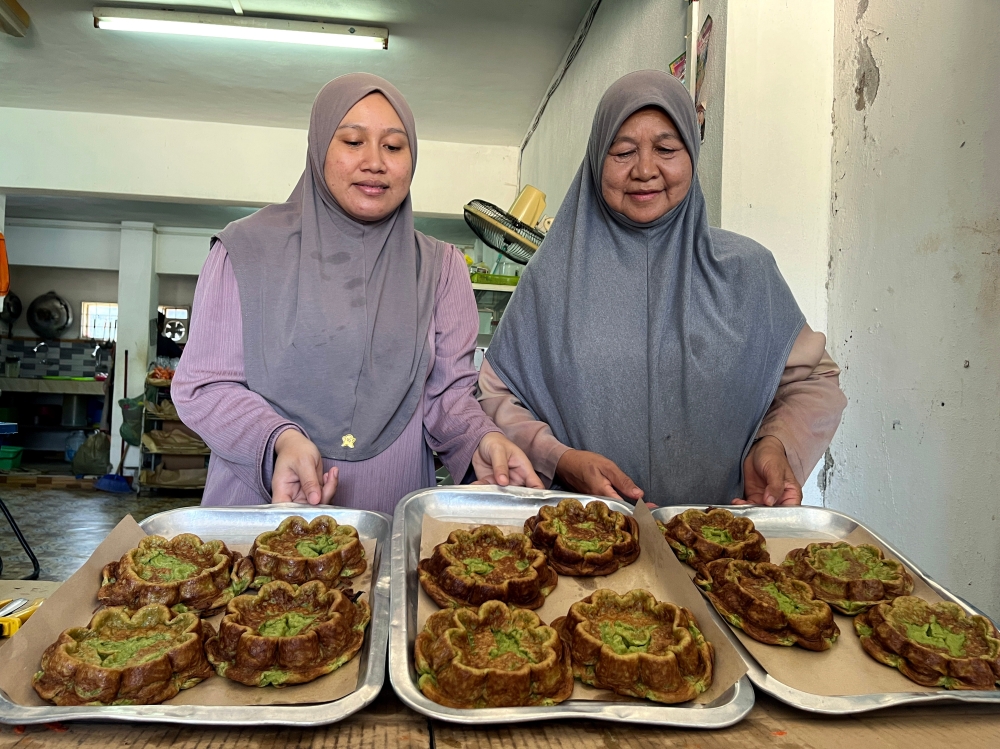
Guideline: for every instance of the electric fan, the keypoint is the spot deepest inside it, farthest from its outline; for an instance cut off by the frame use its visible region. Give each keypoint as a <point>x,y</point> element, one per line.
<point>511,233</point>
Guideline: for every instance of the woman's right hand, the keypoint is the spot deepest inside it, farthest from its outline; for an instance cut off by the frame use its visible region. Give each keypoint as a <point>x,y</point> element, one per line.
<point>298,471</point>
<point>591,473</point>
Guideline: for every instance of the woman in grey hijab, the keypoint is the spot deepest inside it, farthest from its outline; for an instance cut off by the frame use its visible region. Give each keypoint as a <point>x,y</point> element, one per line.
<point>646,354</point>
<point>331,344</point>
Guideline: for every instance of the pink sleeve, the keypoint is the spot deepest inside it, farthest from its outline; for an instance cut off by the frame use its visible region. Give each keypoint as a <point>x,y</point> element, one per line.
<point>454,423</point>
<point>519,426</point>
<point>806,410</point>
<point>209,388</point>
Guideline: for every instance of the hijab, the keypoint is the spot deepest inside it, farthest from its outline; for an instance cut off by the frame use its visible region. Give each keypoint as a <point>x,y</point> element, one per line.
<point>659,345</point>
<point>336,311</point>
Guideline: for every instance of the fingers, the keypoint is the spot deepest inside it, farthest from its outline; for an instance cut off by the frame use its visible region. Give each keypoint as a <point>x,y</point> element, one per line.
<point>498,461</point>
<point>330,480</point>
<point>621,482</point>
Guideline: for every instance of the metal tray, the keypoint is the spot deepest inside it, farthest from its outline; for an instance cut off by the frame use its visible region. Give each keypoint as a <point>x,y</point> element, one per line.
<point>819,522</point>
<point>511,506</point>
<point>241,525</point>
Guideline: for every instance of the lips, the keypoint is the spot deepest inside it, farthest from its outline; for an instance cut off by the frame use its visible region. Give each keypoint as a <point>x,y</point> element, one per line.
<point>644,196</point>
<point>372,189</point>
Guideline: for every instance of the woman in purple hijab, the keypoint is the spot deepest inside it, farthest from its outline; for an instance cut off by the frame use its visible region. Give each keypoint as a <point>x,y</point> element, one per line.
<point>331,344</point>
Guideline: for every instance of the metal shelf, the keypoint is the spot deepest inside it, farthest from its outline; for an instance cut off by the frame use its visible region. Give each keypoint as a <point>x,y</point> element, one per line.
<point>493,287</point>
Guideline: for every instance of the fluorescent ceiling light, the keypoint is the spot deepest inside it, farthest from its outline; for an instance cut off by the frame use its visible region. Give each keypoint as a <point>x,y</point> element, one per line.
<point>241,27</point>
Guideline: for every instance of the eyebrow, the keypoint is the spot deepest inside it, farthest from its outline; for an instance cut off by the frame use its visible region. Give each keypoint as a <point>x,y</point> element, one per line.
<point>387,131</point>
<point>634,142</point>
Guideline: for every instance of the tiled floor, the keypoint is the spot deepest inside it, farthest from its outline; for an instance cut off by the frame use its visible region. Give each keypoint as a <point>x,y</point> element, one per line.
<point>64,526</point>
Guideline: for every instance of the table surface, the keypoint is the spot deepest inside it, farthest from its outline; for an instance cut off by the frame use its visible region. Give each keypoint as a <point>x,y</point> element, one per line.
<point>389,724</point>
<point>38,385</point>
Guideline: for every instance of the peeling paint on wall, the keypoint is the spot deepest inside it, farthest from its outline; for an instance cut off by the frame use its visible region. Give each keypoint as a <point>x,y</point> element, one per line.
<point>868,77</point>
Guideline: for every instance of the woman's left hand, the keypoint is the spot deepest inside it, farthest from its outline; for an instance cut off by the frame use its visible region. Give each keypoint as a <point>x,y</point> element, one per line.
<point>767,476</point>
<point>497,460</point>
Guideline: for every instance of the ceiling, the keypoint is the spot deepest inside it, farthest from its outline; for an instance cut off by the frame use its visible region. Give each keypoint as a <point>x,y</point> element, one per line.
<point>113,211</point>
<point>473,71</point>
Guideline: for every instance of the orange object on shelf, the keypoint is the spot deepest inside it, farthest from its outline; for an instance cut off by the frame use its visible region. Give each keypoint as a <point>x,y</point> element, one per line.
<point>4,269</point>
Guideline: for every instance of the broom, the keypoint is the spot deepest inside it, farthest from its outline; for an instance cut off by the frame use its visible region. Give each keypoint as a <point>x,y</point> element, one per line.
<point>115,483</point>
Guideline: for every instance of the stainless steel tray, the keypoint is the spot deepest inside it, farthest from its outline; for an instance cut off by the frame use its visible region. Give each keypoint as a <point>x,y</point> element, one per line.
<point>819,522</point>
<point>511,506</point>
<point>241,525</point>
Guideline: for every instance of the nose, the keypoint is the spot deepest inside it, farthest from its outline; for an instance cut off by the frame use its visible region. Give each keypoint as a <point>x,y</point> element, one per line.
<point>645,168</point>
<point>374,160</point>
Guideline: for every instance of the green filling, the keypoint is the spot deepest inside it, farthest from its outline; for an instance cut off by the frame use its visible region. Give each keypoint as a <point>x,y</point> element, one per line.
<point>588,526</point>
<point>589,545</point>
<point>174,568</point>
<point>716,535</point>
<point>273,677</point>
<point>522,565</point>
<point>864,630</point>
<point>559,526</point>
<point>118,653</point>
<point>477,567</point>
<point>786,603</point>
<point>497,554</point>
<point>510,642</point>
<point>624,638</point>
<point>836,563</point>
<point>286,625</point>
<point>935,635</point>
<point>318,546</point>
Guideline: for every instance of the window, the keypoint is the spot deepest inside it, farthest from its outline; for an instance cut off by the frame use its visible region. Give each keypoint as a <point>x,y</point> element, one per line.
<point>99,321</point>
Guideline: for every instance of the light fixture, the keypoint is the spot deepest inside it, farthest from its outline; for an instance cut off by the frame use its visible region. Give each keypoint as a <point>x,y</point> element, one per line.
<point>241,27</point>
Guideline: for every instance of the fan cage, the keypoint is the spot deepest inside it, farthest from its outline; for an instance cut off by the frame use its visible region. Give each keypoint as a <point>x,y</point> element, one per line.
<point>515,240</point>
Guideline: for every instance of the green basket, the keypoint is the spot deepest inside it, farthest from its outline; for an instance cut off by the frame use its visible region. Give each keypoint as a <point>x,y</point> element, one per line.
<point>10,457</point>
<point>494,279</point>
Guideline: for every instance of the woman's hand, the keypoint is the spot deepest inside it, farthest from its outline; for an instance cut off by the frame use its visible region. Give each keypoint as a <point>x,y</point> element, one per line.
<point>590,473</point>
<point>497,460</point>
<point>298,471</point>
<point>767,477</point>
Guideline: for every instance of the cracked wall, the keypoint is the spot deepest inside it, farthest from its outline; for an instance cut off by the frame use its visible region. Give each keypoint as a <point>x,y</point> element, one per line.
<point>914,282</point>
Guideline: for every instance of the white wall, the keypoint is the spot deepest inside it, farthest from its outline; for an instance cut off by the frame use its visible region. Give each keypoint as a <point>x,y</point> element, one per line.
<point>140,157</point>
<point>777,139</point>
<point>626,35</point>
<point>915,282</point>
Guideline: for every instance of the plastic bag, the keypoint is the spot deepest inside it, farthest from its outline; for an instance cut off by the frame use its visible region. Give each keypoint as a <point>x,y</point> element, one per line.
<point>94,456</point>
<point>131,428</point>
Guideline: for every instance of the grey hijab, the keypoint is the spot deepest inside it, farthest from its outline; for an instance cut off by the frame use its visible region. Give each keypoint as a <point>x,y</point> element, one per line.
<point>336,311</point>
<point>658,345</point>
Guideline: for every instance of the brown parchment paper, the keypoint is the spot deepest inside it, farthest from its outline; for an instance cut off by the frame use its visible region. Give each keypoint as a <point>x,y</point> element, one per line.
<point>844,669</point>
<point>75,602</point>
<point>656,570</point>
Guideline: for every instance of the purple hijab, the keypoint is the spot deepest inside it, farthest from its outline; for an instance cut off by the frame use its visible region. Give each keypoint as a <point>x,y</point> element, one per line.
<point>336,311</point>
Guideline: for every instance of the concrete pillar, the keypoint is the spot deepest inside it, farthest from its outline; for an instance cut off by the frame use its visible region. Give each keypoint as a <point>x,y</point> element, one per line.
<point>138,292</point>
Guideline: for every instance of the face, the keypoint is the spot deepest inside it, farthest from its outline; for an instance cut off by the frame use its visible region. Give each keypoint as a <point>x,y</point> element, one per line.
<point>647,170</point>
<point>368,164</point>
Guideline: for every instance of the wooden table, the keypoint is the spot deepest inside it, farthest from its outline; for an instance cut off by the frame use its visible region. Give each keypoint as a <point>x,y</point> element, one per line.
<point>388,724</point>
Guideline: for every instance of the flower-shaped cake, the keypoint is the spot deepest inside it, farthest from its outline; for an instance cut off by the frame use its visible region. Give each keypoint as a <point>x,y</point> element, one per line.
<point>183,573</point>
<point>768,604</point>
<point>481,565</point>
<point>849,578</point>
<point>637,646</point>
<point>299,551</point>
<point>584,540</point>
<point>935,645</point>
<point>287,634</point>
<point>699,536</point>
<point>121,659</point>
<point>493,656</point>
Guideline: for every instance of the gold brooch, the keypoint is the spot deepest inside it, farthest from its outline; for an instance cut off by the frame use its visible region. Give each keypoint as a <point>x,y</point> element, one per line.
<point>348,440</point>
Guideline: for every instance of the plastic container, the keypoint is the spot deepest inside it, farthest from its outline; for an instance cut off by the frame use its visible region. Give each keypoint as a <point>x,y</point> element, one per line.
<point>10,457</point>
<point>495,279</point>
<point>73,443</point>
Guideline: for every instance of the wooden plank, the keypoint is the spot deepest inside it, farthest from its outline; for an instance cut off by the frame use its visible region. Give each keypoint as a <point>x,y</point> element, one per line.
<point>770,724</point>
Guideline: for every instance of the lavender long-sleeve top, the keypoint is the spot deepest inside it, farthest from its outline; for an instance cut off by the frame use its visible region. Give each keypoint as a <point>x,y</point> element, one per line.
<point>212,397</point>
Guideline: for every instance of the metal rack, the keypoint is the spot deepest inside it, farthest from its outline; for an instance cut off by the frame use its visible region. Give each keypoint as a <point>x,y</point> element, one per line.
<point>149,458</point>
